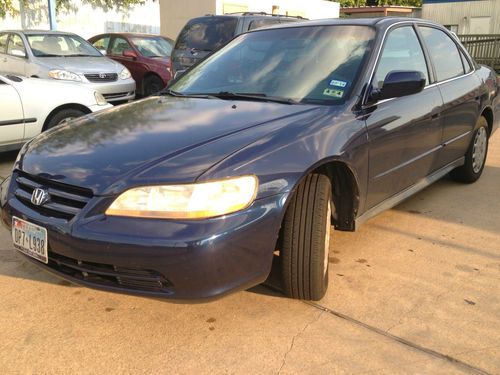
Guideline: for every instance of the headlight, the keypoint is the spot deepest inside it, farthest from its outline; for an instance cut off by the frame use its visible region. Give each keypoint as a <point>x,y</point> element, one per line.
<point>100,100</point>
<point>191,201</point>
<point>64,75</point>
<point>125,74</point>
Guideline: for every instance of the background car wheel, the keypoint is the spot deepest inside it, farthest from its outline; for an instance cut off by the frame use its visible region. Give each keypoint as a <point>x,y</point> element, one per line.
<point>475,157</point>
<point>305,239</point>
<point>63,116</point>
<point>152,84</point>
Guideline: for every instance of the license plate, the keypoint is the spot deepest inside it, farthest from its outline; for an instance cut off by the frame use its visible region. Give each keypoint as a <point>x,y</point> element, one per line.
<point>30,239</point>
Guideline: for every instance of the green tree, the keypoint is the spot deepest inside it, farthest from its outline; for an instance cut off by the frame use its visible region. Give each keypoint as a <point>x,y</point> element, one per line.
<point>8,7</point>
<point>360,3</point>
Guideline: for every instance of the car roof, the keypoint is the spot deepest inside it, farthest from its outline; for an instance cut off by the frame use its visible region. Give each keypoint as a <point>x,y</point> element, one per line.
<point>38,32</point>
<point>134,34</point>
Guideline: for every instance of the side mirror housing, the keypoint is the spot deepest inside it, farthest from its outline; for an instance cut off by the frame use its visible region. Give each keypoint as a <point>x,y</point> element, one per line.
<point>399,83</point>
<point>18,53</point>
<point>129,53</point>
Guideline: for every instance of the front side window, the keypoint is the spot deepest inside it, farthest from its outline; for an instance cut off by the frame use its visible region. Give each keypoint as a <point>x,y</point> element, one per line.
<point>444,53</point>
<point>119,45</point>
<point>55,45</point>
<point>314,64</point>
<point>401,51</point>
<point>15,44</point>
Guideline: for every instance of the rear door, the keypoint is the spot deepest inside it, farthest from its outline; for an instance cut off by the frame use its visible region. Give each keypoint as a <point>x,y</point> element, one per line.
<point>404,133</point>
<point>460,89</point>
<point>11,115</point>
<point>200,37</point>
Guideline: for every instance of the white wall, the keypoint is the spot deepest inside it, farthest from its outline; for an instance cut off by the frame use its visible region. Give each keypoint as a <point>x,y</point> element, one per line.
<point>87,21</point>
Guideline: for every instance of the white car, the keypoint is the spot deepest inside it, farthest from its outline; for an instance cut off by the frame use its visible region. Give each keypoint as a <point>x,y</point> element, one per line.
<point>28,106</point>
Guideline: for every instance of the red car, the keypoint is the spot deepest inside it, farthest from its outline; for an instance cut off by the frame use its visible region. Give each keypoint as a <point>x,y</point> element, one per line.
<point>146,56</point>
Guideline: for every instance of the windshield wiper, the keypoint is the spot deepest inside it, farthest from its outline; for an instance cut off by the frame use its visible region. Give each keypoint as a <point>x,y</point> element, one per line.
<point>252,96</point>
<point>182,95</point>
<point>80,55</point>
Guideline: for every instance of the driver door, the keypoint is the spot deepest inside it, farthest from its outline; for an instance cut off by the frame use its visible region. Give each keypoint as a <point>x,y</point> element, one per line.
<point>404,133</point>
<point>11,115</point>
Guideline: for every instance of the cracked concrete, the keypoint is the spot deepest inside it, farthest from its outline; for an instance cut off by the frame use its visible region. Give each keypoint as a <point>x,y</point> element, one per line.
<point>415,290</point>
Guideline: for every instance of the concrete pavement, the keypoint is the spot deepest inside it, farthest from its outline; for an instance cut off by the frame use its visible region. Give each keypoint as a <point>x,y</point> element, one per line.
<point>415,290</point>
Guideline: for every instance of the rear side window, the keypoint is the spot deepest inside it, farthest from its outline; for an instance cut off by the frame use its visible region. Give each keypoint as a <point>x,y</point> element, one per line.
<point>444,53</point>
<point>262,23</point>
<point>401,51</point>
<point>207,34</point>
<point>3,42</point>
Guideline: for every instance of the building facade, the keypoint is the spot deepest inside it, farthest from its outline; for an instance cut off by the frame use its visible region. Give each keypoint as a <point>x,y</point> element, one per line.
<point>464,17</point>
<point>86,20</point>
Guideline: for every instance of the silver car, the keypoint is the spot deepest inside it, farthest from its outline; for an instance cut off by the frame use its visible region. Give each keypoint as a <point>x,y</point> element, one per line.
<point>64,56</point>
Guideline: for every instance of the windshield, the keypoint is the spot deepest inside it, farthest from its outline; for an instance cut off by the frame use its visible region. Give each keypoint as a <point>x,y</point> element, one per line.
<point>207,34</point>
<point>53,45</point>
<point>314,64</point>
<point>152,46</point>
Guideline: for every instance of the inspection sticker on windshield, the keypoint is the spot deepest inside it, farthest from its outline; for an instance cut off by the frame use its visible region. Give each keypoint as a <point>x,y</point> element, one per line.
<point>338,83</point>
<point>334,93</point>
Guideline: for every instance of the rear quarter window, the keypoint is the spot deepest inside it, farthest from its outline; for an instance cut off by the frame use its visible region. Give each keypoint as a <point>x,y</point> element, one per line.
<point>207,34</point>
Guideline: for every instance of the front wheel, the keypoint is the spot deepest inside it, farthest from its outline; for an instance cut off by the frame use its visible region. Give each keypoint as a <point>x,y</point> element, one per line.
<point>306,239</point>
<point>475,158</point>
<point>63,116</point>
<point>152,84</point>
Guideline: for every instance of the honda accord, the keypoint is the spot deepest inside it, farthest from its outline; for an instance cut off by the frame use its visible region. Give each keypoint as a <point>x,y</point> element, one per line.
<point>258,150</point>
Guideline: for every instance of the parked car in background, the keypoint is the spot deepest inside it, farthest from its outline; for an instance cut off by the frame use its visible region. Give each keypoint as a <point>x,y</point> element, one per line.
<point>202,36</point>
<point>30,106</point>
<point>259,149</point>
<point>146,56</point>
<point>66,57</point>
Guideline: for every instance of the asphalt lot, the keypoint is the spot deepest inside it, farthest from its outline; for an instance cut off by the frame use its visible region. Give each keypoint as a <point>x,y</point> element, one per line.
<point>415,290</point>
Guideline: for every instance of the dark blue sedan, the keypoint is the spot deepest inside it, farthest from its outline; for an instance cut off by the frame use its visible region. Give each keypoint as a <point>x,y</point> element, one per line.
<point>259,149</point>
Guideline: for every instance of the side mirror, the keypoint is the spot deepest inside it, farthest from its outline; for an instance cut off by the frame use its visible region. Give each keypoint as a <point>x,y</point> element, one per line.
<point>399,83</point>
<point>18,53</point>
<point>103,51</point>
<point>129,53</point>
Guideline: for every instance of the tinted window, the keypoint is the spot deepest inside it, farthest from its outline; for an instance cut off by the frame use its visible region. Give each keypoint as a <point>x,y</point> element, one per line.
<point>118,46</point>
<point>102,43</point>
<point>262,23</point>
<point>315,64</point>
<point>207,34</point>
<point>15,43</point>
<point>3,42</point>
<point>444,53</point>
<point>401,51</point>
<point>49,45</point>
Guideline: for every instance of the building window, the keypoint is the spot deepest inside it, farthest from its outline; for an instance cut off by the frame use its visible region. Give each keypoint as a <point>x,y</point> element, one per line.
<point>452,28</point>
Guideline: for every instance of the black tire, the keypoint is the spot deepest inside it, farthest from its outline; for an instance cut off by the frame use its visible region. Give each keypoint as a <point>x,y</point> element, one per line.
<point>63,115</point>
<point>152,84</point>
<point>304,242</point>
<point>478,148</point>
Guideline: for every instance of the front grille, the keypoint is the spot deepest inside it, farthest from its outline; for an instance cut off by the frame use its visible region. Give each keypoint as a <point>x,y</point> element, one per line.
<point>65,201</point>
<point>117,95</point>
<point>109,275</point>
<point>102,77</point>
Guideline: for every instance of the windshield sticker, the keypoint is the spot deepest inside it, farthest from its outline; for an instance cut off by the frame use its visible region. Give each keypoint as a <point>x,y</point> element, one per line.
<point>334,93</point>
<point>338,83</point>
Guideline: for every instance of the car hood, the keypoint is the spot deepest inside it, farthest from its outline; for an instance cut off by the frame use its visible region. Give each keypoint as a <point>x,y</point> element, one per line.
<point>150,141</point>
<point>99,64</point>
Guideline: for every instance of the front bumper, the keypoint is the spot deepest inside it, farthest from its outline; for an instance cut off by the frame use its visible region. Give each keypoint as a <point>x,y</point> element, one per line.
<point>121,90</point>
<point>182,260</point>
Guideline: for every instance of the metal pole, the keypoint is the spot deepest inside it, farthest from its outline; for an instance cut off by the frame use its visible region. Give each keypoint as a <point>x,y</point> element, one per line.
<point>52,14</point>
